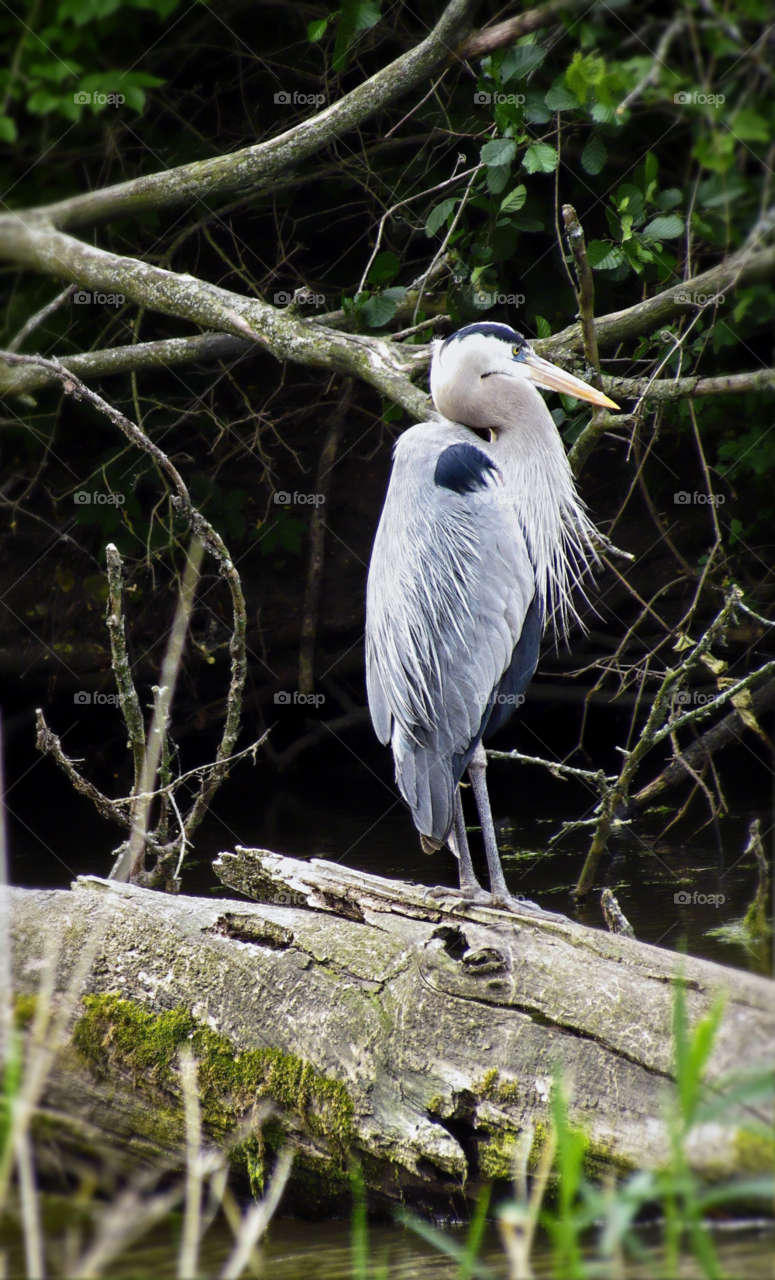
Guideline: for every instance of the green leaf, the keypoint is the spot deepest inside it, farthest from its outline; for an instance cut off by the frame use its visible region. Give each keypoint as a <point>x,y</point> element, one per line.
<point>540,157</point>
<point>651,168</point>
<point>7,129</point>
<point>560,98</point>
<point>514,201</point>
<point>669,199</point>
<point>316,30</point>
<point>543,327</point>
<point>500,151</point>
<point>594,155</point>
<point>604,257</point>
<point>355,16</point>
<point>439,215</point>
<point>498,178</point>
<point>522,223</point>
<point>535,109</point>
<point>520,60</point>
<point>629,200</point>
<point>750,127</point>
<point>604,114</point>
<point>384,268</point>
<point>583,73</point>
<point>380,309</point>
<point>41,102</point>
<point>669,227</point>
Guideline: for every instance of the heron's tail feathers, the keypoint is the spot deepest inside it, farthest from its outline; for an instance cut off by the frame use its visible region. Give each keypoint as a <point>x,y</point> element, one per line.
<point>427,782</point>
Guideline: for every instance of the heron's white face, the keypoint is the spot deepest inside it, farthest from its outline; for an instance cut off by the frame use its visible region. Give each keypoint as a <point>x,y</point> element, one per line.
<point>494,351</point>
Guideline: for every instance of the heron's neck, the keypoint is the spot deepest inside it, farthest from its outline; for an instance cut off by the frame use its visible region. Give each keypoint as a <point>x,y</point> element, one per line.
<point>532,458</point>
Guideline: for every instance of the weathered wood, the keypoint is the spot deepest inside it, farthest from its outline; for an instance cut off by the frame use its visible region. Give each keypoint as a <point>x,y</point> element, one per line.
<point>443,1020</point>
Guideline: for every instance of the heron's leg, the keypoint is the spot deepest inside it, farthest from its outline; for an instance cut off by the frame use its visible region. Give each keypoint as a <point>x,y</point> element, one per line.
<point>498,888</point>
<point>476,772</point>
<point>468,880</point>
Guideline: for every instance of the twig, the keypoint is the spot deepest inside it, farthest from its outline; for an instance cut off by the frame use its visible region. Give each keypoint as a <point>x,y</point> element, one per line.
<point>128,699</point>
<point>453,228</point>
<point>756,916</point>
<point>129,864</point>
<point>217,548</point>
<point>585,295</point>
<point>39,316</point>
<point>49,744</point>
<point>652,75</point>
<point>317,539</point>
<point>614,916</point>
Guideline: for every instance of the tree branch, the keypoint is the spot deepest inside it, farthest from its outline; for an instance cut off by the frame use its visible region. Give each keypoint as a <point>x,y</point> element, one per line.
<point>253,166</point>
<point>387,367</point>
<point>748,266</point>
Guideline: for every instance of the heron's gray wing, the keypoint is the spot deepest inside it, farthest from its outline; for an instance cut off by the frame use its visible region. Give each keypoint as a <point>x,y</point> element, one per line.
<point>450,584</point>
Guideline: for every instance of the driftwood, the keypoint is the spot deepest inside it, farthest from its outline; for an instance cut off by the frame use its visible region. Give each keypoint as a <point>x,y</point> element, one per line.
<point>439,1022</point>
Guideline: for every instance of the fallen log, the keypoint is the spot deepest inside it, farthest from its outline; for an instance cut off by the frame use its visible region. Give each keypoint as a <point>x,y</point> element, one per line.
<point>381,1018</point>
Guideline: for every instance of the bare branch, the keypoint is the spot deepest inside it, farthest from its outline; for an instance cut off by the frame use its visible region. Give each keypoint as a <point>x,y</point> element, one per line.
<point>252,167</point>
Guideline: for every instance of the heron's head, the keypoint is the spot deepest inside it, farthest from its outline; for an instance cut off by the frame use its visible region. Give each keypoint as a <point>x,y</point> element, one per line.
<point>476,371</point>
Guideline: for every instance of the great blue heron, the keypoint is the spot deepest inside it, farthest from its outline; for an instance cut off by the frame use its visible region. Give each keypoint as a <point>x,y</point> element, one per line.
<point>482,538</point>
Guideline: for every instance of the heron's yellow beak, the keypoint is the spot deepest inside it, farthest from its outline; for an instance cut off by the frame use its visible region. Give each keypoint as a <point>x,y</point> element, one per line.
<point>546,374</point>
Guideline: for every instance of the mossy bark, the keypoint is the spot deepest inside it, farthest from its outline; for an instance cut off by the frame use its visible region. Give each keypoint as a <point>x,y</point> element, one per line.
<point>360,1008</point>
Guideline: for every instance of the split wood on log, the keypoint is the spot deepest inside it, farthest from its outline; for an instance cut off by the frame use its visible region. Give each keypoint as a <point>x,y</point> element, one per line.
<point>439,1022</point>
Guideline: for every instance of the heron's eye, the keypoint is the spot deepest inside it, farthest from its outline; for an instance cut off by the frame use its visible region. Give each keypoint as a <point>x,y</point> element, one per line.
<point>515,351</point>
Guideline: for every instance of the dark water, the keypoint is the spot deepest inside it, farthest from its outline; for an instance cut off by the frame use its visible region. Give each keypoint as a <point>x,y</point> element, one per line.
<point>296,1250</point>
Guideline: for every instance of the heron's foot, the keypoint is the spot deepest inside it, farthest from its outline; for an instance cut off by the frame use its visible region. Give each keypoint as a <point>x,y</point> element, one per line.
<point>466,892</point>
<point>505,902</point>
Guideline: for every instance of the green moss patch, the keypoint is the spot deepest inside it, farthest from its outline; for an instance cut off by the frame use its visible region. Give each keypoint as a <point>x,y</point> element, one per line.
<point>114,1032</point>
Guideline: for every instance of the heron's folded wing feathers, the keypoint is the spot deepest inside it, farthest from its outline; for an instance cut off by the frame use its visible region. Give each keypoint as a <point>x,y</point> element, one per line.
<point>450,584</point>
